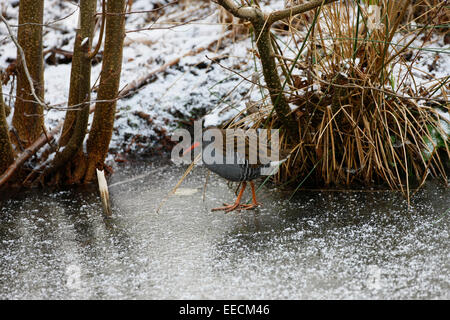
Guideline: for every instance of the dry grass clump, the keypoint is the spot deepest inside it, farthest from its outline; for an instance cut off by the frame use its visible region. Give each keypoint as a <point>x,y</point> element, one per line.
<point>361,119</point>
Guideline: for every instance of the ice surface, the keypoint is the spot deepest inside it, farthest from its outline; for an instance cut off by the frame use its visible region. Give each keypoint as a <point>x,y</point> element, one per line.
<point>320,245</point>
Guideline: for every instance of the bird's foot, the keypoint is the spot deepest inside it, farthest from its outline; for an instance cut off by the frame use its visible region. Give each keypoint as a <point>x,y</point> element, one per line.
<point>250,206</point>
<point>236,206</point>
<point>227,208</point>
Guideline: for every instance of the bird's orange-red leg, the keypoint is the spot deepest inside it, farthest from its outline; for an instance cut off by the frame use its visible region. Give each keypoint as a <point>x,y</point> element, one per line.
<point>254,202</point>
<point>237,203</point>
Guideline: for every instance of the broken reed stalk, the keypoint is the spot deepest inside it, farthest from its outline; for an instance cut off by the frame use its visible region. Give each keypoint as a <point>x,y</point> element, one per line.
<point>185,174</point>
<point>104,193</point>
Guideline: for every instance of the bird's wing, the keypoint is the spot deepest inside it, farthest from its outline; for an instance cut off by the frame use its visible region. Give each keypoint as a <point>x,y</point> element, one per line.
<point>250,146</point>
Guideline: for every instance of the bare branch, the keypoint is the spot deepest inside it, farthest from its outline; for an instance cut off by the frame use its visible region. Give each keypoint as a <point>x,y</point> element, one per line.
<point>286,13</point>
<point>252,13</point>
<point>28,152</point>
<point>102,28</point>
<point>246,13</point>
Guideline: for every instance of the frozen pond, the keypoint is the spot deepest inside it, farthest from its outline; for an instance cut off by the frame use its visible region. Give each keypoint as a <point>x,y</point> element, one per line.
<point>320,245</point>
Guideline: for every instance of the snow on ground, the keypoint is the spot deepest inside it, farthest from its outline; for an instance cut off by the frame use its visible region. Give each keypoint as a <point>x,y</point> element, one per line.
<point>431,64</point>
<point>195,84</point>
<point>193,87</point>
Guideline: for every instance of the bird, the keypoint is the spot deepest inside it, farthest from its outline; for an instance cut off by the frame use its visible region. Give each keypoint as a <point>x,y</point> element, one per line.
<point>238,156</point>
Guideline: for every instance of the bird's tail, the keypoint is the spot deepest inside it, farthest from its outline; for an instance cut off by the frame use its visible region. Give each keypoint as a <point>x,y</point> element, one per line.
<point>272,167</point>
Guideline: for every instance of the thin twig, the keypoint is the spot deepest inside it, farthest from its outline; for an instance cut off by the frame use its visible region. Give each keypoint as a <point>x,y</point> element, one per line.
<point>140,11</point>
<point>46,24</point>
<point>24,62</point>
<point>237,73</point>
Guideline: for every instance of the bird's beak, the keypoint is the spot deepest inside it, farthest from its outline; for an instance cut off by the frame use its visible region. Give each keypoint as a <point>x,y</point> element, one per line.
<point>195,145</point>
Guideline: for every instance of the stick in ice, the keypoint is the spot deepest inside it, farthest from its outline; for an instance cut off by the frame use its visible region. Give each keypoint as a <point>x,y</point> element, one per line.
<point>104,193</point>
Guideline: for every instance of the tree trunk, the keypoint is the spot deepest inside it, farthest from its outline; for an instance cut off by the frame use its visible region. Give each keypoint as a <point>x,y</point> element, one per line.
<point>28,118</point>
<point>103,123</point>
<point>271,77</point>
<point>76,121</point>
<point>6,151</point>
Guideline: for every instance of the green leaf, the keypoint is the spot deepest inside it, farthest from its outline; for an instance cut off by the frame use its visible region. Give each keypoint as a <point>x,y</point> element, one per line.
<point>393,139</point>
<point>392,81</point>
<point>436,141</point>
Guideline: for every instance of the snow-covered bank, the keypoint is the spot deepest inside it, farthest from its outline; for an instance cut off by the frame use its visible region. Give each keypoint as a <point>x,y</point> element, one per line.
<point>193,86</point>
<point>190,88</point>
